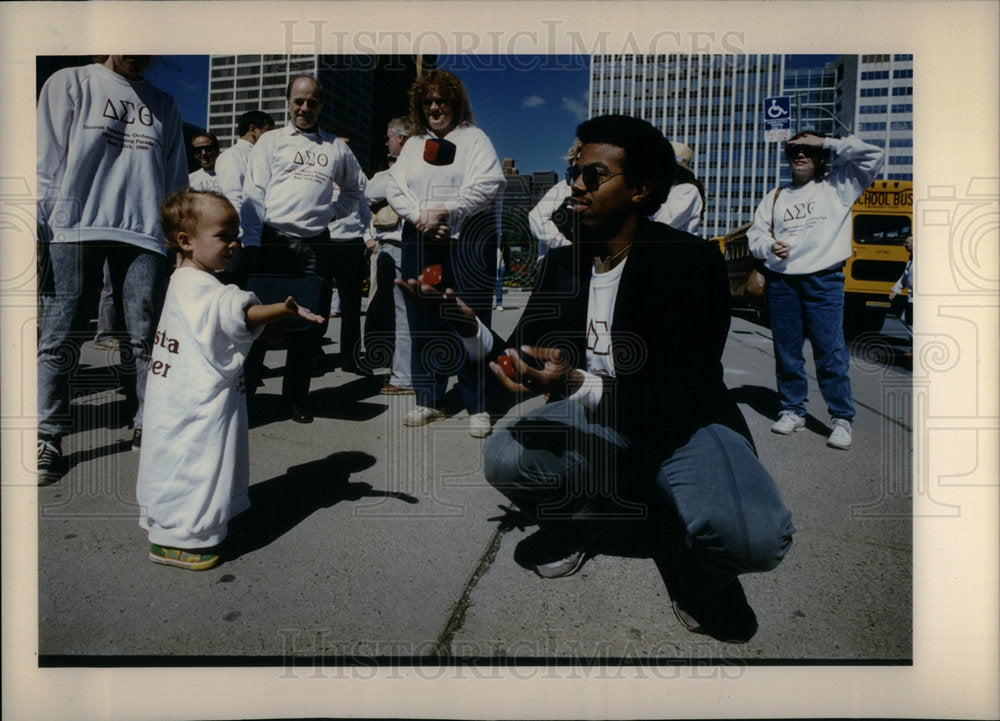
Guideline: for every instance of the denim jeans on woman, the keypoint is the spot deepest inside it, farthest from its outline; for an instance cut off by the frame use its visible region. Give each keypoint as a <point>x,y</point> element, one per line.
<point>138,277</point>
<point>810,306</point>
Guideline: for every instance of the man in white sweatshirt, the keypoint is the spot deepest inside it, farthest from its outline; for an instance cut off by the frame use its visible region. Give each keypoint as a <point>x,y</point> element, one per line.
<point>231,167</point>
<point>110,146</point>
<point>803,235</point>
<point>205,148</point>
<point>288,203</point>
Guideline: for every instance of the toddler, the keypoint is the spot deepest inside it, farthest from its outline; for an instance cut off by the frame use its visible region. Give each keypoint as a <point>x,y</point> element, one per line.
<point>194,469</point>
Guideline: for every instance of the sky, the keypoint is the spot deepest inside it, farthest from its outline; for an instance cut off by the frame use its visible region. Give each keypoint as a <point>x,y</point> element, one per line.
<point>528,105</point>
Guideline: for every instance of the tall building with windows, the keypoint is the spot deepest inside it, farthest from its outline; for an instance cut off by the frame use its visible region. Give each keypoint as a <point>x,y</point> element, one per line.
<point>875,94</point>
<point>363,92</point>
<point>714,103</point>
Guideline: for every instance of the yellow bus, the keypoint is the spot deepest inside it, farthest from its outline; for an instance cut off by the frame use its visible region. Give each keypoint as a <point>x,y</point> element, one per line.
<point>881,219</point>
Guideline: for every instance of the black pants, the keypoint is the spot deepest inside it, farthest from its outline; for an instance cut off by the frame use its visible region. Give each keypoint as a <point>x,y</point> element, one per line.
<point>345,264</point>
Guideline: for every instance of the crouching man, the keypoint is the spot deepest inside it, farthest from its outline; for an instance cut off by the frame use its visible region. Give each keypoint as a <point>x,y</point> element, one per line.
<point>625,331</point>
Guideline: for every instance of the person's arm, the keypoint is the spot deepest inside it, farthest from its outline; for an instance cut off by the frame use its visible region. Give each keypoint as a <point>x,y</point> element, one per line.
<point>540,217</point>
<point>57,109</point>
<point>397,190</point>
<point>482,180</point>
<point>254,189</point>
<point>258,315</point>
<point>760,239</point>
<point>230,173</point>
<point>863,163</point>
<point>683,204</point>
<point>175,157</point>
<point>351,181</point>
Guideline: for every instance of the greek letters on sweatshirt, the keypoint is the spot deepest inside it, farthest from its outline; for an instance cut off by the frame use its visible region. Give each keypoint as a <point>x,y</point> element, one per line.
<point>202,179</point>
<point>467,185</point>
<point>815,218</point>
<point>291,180</point>
<point>195,466</point>
<point>108,151</point>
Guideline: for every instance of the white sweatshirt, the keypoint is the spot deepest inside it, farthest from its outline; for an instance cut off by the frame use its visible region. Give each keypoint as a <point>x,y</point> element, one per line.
<point>231,169</point>
<point>291,180</point>
<point>815,218</point>
<point>202,179</point>
<point>540,217</point>
<point>469,184</point>
<point>354,224</point>
<point>108,151</point>
<point>195,467</point>
<point>681,209</point>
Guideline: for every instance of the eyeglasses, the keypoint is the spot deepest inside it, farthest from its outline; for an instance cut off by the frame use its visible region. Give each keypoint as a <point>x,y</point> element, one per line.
<point>593,176</point>
<point>204,149</point>
<point>792,151</point>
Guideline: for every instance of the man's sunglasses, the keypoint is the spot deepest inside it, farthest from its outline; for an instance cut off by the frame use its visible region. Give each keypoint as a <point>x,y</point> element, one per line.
<point>593,176</point>
<point>205,149</point>
<point>792,151</point>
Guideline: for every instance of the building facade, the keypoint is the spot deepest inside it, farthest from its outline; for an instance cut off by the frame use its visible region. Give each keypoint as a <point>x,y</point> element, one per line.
<point>713,104</point>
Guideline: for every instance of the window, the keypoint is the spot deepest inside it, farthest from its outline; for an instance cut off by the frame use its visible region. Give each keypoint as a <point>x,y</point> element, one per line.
<point>872,109</point>
<point>902,91</point>
<point>871,127</point>
<point>900,160</point>
<point>903,73</point>
<point>876,92</point>
<point>903,108</point>
<point>902,57</point>
<point>901,125</point>
<point>875,75</point>
<point>901,143</point>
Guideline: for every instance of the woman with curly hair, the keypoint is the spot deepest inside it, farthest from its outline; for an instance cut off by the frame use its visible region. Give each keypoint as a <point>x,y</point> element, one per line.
<point>447,186</point>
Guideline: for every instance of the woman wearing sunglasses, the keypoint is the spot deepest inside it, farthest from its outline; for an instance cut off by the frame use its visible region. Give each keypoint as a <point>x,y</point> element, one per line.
<point>447,186</point>
<point>802,234</point>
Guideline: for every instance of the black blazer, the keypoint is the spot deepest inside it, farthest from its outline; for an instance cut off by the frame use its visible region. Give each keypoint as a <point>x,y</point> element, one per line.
<point>669,328</point>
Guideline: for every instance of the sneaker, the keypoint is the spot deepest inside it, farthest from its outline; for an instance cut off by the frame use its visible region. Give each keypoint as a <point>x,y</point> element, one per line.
<point>106,343</point>
<point>788,422</point>
<point>137,440</point>
<point>422,415</point>
<point>50,461</point>
<point>499,309</point>
<point>723,614</point>
<point>479,425</point>
<point>393,390</point>
<point>841,436</point>
<point>191,560</point>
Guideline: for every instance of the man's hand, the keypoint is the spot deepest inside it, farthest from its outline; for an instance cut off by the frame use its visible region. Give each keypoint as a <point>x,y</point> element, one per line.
<point>555,376</point>
<point>780,249</point>
<point>433,223</point>
<point>446,305</point>
<point>813,141</point>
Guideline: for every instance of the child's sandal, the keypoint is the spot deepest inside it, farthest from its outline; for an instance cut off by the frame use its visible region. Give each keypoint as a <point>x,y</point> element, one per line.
<point>191,560</point>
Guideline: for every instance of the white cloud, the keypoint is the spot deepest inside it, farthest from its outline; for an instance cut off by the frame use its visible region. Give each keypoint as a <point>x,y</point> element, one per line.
<point>532,101</point>
<point>576,108</point>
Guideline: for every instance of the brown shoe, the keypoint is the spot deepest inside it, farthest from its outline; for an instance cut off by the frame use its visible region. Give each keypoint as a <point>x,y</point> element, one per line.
<point>390,390</point>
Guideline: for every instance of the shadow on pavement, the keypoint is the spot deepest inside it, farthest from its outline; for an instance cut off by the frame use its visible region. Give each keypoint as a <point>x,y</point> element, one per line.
<point>279,504</point>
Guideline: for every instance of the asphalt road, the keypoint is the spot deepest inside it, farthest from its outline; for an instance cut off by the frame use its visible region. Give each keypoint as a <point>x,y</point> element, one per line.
<point>372,542</point>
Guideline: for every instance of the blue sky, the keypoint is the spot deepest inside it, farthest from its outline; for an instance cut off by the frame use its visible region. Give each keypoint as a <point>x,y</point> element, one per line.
<point>528,105</point>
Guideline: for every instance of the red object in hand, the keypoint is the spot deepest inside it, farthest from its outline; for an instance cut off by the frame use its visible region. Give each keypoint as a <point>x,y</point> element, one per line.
<point>431,275</point>
<point>503,360</point>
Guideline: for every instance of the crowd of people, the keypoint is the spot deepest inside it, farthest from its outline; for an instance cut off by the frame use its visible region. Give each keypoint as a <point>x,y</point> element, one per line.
<point>259,230</point>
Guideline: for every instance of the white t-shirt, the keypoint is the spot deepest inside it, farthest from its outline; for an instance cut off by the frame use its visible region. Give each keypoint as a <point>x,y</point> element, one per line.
<point>681,209</point>
<point>202,179</point>
<point>195,467</point>
<point>231,169</point>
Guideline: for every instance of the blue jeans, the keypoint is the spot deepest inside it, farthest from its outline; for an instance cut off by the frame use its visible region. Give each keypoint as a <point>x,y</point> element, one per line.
<point>139,279</point>
<point>437,353</point>
<point>726,513</point>
<point>810,306</point>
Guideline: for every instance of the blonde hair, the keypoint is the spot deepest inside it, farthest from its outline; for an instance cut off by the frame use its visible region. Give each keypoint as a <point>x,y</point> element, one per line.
<point>180,212</point>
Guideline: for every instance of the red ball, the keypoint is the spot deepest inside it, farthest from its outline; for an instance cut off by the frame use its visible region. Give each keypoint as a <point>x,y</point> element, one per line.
<point>431,275</point>
<point>506,365</point>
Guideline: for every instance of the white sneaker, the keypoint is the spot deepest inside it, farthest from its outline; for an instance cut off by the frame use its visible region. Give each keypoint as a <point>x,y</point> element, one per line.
<point>479,425</point>
<point>841,436</point>
<point>788,422</point>
<point>422,415</point>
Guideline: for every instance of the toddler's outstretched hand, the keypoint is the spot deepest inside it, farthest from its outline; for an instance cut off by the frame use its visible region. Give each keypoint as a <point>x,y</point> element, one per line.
<point>301,311</point>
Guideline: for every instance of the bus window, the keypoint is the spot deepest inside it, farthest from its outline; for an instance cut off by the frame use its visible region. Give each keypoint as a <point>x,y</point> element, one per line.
<point>888,229</point>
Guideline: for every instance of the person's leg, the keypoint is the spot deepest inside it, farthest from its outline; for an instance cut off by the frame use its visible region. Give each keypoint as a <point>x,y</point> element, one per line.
<point>75,270</point>
<point>424,327</point>
<point>400,377</point>
<point>823,308</point>
<point>142,277</point>
<point>348,267</point>
<point>786,332</point>
<point>723,509</point>
<point>472,260</point>
<point>107,316</point>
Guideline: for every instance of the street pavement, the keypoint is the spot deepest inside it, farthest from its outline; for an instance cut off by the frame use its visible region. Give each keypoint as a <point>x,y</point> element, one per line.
<point>372,542</point>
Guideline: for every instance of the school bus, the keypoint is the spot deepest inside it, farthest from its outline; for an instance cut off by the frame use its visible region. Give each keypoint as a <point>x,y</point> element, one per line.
<point>881,219</point>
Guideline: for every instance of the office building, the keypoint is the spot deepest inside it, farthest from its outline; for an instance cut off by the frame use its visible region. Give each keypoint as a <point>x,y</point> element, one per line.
<point>714,104</point>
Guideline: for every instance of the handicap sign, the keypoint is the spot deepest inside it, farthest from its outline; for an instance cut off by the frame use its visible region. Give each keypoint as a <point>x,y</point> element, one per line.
<point>777,118</point>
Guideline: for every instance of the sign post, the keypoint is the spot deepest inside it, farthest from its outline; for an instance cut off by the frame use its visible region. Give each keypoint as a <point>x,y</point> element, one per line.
<point>777,118</point>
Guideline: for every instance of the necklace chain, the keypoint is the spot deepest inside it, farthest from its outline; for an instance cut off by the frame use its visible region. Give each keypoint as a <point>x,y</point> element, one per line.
<point>603,265</point>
